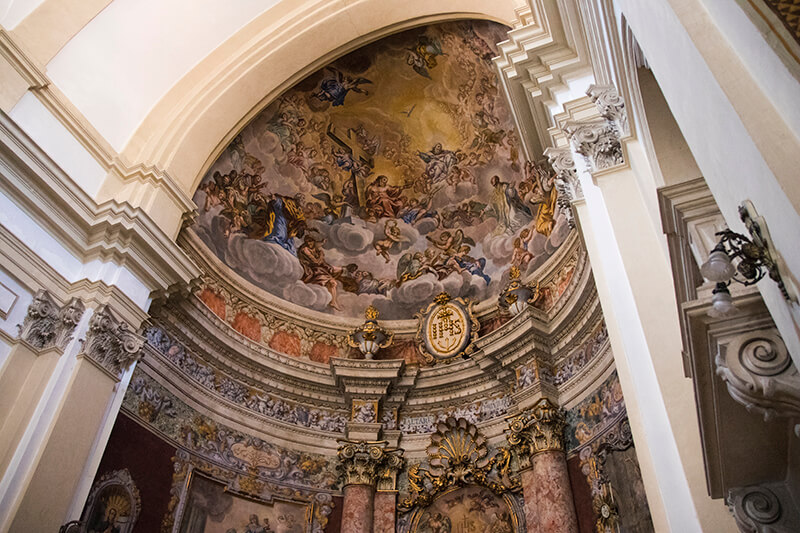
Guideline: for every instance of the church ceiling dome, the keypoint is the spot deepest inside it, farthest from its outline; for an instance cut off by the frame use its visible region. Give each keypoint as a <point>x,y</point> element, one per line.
<point>386,177</point>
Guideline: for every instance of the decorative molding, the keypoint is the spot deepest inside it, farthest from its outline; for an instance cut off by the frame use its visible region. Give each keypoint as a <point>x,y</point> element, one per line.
<point>110,343</point>
<point>541,429</point>
<point>48,325</point>
<point>610,105</point>
<point>84,227</point>
<point>367,463</point>
<point>759,373</point>
<point>598,142</point>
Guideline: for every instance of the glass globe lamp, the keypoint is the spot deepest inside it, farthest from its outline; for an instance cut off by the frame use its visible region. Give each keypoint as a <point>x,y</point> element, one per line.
<point>719,267</point>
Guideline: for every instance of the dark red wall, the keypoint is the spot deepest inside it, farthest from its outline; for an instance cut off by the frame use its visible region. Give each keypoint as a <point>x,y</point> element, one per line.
<point>582,494</point>
<point>149,460</point>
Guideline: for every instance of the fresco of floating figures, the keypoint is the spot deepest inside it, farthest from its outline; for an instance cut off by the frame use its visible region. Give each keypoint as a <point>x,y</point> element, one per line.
<point>392,174</point>
<point>595,414</point>
<point>242,394</point>
<point>150,403</point>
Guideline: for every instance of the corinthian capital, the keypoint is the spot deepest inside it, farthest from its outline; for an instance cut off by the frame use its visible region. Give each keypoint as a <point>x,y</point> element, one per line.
<point>541,429</point>
<point>610,105</point>
<point>47,325</point>
<point>598,142</point>
<point>759,373</point>
<point>110,343</point>
<point>366,463</point>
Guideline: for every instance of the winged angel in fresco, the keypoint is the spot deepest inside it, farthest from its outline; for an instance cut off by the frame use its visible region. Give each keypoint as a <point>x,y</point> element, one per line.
<point>423,56</point>
<point>334,88</point>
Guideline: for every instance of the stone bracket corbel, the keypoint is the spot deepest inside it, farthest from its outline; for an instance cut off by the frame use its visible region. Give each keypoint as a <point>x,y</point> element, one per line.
<point>759,374</point>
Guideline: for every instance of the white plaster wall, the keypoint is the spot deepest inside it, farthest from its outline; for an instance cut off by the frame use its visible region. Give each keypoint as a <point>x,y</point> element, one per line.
<point>121,63</point>
<point>731,163</point>
<point>71,268</point>
<point>51,135</point>
<point>13,11</point>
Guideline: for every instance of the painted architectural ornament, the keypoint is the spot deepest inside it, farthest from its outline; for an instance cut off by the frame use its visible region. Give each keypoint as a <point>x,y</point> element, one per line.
<point>389,175</point>
<point>447,329</point>
<point>110,343</point>
<point>370,337</point>
<point>47,325</point>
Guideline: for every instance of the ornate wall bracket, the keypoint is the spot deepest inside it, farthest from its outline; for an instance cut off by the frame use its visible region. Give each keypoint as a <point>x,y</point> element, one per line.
<point>110,343</point>
<point>369,463</point>
<point>759,373</point>
<point>541,429</point>
<point>763,509</point>
<point>48,325</point>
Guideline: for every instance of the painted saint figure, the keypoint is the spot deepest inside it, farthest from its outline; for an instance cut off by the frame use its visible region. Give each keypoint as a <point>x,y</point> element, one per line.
<point>511,212</point>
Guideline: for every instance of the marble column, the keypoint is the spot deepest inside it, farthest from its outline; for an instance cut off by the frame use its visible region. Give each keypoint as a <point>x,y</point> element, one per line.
<point>537,437</point>
<point>363,466</point>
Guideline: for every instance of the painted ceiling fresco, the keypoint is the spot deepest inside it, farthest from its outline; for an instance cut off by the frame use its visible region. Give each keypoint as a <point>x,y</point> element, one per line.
<point>385,178</point>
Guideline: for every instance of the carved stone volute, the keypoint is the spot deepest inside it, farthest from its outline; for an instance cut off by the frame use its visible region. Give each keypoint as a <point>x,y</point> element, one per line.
<point>47,325</point>
<point>110,343</point>
<point>365,463</point>
<point>759,374</point>
<point>541,429</point>
<point>763,509</point>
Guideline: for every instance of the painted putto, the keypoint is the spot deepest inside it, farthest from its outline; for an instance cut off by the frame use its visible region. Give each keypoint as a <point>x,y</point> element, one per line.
<point>387,177</point>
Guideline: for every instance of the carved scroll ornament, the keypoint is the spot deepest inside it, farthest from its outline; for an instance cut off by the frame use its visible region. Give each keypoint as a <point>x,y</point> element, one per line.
<point>48,325</point>
<point>541,429</point>
<point>110,343</point>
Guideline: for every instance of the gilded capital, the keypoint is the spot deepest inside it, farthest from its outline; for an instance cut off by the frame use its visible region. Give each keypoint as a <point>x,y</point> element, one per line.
<point>541,429</point>
<point>368,463</point>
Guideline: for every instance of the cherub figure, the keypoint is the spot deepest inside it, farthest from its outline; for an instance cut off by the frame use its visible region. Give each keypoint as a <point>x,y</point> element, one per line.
<point>392,236</point>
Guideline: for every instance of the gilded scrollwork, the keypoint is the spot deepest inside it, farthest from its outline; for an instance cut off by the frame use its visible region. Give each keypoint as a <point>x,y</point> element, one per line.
<point>458,455</point>
<point>538,430</point>
<point>369,463</point>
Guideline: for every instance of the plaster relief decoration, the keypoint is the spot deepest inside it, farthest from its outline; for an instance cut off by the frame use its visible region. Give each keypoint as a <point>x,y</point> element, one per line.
<point>365,411</point>
<point>392,174</point>
<point>598,143</point>
<point>110,343</point>
<point>212,508</point>
<point>447,329</point>
<point>759,373</point>
<point>474,413</point>
<point>567,183</point>
<point>610,105</point>
<point>47,325</point>
<point>369,463</point>
<point>242,394</point>
<point>113,504</point>
<point>225,447</point>
<point>463,487</point>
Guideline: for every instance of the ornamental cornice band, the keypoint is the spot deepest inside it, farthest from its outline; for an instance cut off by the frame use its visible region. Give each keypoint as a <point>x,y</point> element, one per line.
<point>598,142</point>
<point>47,325</point>
<point>539,430</point>
<point>367,463</point>
<point>110,343</point>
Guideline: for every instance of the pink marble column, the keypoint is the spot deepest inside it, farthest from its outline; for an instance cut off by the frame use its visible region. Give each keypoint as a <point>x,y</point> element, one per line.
<point>528,479</point>
<point>385,503</point>
<point>357,509</point>
<point>551,494</point>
